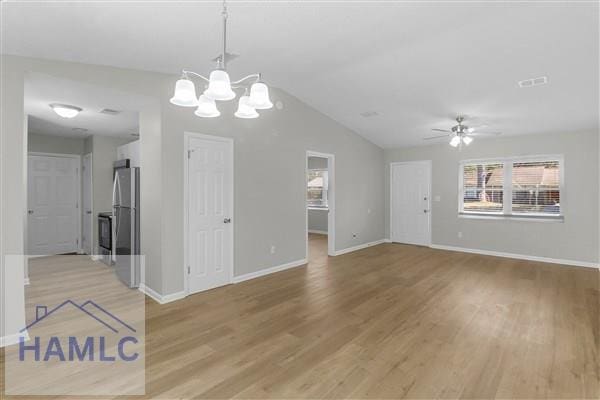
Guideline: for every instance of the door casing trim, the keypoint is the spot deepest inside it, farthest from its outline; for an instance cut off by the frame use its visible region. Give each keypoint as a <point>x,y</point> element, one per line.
<point>331,192</point>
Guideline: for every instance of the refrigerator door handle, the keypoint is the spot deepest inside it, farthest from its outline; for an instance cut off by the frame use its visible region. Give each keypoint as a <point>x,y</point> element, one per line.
<point>115,182</point>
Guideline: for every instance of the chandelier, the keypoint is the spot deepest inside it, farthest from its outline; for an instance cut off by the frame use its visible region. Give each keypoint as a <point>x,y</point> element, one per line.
<point>218,87</point>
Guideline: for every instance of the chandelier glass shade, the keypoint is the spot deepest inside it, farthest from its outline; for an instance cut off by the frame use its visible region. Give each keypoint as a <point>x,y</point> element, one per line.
<point>245,109</point>
<point>207,108</point>
<point>259,96</point>
<point>185,93</point>
<point>219,87</point>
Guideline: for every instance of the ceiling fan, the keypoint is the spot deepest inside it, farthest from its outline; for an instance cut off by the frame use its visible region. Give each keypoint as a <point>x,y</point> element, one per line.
<point>460,134</point>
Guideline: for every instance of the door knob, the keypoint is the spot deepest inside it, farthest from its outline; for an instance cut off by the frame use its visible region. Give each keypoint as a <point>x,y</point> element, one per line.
<point>29,211</point>
<point>425,211</point>
<point>227,220</point>
<point>88,212</point>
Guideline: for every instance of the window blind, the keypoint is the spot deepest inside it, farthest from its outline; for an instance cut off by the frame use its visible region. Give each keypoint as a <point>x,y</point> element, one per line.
<point>536,187</point>
<point>483,188</point>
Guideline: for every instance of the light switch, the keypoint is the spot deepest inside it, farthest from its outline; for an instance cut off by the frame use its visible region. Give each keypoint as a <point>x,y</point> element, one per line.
<point>437,198</point>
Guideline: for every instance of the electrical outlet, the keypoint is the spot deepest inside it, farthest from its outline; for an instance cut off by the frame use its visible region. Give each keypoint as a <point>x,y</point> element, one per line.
<point>437,198</point>
<point>460,235</point>
<point>272,249</point>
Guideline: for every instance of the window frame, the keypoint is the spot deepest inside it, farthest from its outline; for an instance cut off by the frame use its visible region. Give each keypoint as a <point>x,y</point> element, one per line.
<point>507,195</point>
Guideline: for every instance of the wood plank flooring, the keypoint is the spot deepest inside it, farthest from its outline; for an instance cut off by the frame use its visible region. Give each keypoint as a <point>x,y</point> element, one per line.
<point>387,322</point>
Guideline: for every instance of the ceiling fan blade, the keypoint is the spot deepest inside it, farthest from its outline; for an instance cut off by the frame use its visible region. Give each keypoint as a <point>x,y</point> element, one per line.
<point>485,133</point>
<point>441,130</point>
<point>435,137</point>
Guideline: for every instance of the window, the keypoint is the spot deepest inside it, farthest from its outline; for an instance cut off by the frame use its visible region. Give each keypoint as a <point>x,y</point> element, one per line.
<point>483,187</point>
<point>317,188</point>
<point>536,187</point>
<point>516,187</point>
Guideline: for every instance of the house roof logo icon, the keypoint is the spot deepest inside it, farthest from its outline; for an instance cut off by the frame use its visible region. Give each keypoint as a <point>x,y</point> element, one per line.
<point>108,319</point>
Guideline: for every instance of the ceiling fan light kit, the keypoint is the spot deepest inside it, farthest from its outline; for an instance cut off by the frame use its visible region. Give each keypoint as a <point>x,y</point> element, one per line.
<point>460,134</point>
<point>220,88</point>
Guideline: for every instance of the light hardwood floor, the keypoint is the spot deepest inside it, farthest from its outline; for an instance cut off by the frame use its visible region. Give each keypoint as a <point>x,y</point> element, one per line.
<point>390,321</point>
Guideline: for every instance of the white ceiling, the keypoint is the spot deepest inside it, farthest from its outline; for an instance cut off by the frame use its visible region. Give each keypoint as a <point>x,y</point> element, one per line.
<point>417,64</point>
<point>42,90</point>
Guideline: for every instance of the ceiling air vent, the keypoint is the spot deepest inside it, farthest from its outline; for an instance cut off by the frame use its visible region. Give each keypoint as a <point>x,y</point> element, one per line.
<point>369,114</point>
<point>109,111</point>
<point>542,80</point>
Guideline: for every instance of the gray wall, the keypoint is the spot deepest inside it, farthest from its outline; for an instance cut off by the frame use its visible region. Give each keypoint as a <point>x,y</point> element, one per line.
<point>271,149</point>
<point>317,163</point>
<point>574,239</point>
<point>54,144</point>
<point>317,220</point>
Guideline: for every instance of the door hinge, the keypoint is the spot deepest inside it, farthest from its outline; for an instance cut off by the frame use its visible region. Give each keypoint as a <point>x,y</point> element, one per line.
<point>77,241</point>
<point>189,270</point>
<point>189,154</point>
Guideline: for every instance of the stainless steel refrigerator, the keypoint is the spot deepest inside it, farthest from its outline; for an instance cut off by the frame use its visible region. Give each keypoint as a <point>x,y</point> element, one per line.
<point>126,223</point>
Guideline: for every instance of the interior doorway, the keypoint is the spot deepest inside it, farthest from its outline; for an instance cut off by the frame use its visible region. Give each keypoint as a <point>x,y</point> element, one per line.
<point>320,205</point>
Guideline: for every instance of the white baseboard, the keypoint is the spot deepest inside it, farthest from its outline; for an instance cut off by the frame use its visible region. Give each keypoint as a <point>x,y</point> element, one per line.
<point>318,232</point>
<point>159,298</point>
<point>516,256</point>
<point>96,257</point>
<point>267,271</point>
<point>9,340</point>
<point>359,247</point>
<point>27,281</point>
<point>387,240</point>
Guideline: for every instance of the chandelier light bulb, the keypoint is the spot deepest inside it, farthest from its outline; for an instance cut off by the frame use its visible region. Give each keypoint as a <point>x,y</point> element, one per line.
<point>185,93</point>
<point>467,140</point>
<point>259,96</point>
<point>219,86</point>
<point>207,108</point>
<point>245,110</point>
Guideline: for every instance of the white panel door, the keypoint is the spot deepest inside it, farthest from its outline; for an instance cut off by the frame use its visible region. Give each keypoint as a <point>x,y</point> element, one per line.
<point>86,204</point>
<point>53,193</point>
<point>210,207</point>
<point>411,203</point>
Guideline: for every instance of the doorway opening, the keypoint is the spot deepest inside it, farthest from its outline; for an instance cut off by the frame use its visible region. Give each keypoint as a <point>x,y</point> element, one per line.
<point>320,206</point>
<point>70,171</point>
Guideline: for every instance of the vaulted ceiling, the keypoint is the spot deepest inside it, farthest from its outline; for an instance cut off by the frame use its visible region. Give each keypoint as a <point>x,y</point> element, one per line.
<point>416,65</point>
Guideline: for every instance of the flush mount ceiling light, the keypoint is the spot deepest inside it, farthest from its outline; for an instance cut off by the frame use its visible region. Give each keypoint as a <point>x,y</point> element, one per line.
<point>64,110</point>
<point>460,134</point>
<point>218,87</point>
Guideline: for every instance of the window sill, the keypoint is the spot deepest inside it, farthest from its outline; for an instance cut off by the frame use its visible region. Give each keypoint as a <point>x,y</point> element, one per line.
<point>513,217</point>
<point>318,208</point>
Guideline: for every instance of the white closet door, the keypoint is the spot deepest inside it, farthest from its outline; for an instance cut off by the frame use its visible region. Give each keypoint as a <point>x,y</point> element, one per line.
<point>210,207</point>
